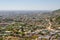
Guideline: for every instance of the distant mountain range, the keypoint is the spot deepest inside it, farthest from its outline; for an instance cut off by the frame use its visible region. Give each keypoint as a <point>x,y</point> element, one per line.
<point>13,13</point>
<point>44,12</point>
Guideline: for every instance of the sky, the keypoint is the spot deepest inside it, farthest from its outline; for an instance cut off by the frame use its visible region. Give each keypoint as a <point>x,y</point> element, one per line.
<point>29,4</point>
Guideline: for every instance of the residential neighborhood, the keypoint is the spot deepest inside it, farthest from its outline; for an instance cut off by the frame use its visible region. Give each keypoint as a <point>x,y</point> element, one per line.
<point>28,27</point>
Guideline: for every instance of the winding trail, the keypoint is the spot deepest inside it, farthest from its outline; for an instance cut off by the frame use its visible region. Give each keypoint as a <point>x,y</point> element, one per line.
<point>50,25</point>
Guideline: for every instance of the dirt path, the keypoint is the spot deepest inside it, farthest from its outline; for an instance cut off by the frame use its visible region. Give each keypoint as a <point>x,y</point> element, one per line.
<point>50,25</point>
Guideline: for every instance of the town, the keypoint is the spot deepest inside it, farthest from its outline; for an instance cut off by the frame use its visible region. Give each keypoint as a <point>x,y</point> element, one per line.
<point>30,25</point>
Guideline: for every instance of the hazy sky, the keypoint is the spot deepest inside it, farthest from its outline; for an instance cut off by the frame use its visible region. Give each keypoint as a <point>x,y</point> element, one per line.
<point>29,4</point>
